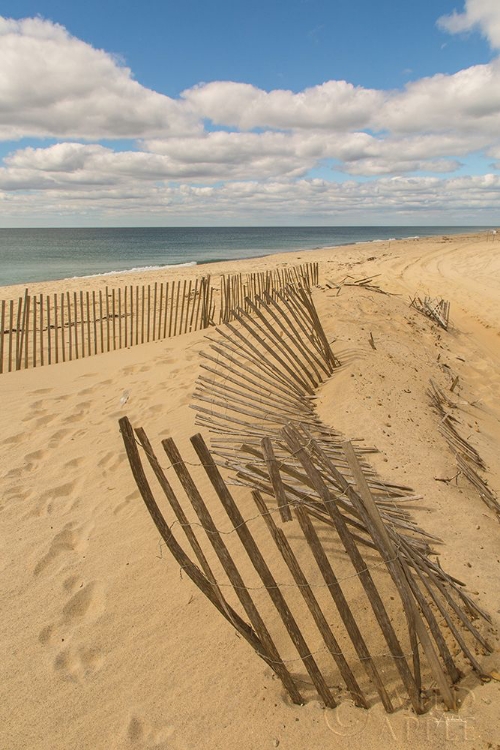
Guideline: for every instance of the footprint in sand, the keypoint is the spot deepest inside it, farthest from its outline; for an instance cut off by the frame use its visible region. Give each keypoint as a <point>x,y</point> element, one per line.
<point>140,735</point>
<point>82,411</point>
<point>14,439</point>
<point>73,463</point>
<point>72,538</point>
<point>56,497</point>
<point>128,500</point>
<point>78,663</point>
<point>32,460</point>
<point>57,437</point>
<point>76,660</point>
<point>88,603</point>
<point>110,461</point>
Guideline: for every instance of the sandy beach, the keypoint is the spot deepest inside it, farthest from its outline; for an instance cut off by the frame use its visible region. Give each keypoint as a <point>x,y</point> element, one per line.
<point>106,646</point>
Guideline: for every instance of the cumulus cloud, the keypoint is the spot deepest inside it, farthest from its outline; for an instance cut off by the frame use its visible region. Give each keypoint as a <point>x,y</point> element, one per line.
<point>261,145</point>
<point>479,15</point>
<point>334,104</point>
<point>53,84</point>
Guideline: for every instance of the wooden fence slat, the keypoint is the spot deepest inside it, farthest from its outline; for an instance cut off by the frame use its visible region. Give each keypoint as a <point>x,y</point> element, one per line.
<point>11,332</point>
<point>70,331</point>
<point>312,603</point>
<point>113,312</point>
<point>33,346</point>
<point>258,643</point>
<point>89,329</point>
<point>262,569</point>
<point>82,323</point>
<point>342,606</point>
<point>56,331</point>
<point>42,326</point>
<point>360,566</point>
<point>275,477</point>
<point>137,314</point>
<point>75,310</point>
<point>229,566</point>
<point>125,318</point>
<point>18,333</point>
<point>198,303</point>
<point>107,318</point>
<point>63,330</point>
<point>131,305</point>
<point>193,306</point>
<point>26,328</point>
<point>2,335</point>
<point>184,330</point>
<point>155,298</point>
<point>178,292</point>
<point>160,311</point>
<point>143,312</point>
<point>49,330</point>
<point>388,551</point>
<point>166,312</point>
<point>120,317</point>
<point>148,327</point>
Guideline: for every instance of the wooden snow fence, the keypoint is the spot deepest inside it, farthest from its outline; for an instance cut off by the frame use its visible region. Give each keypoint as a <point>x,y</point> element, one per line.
<point>352,604</point>
<point>437,310</point>
<point>467,458</point>
<point>38,330</point>
<point>41,329</point>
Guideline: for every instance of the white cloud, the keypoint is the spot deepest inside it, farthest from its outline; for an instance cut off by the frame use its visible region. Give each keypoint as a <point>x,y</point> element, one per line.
<point>334,104</point>
<point>52,84</point>
<point>465,102</point>
<point>387,199</point>
<point>480,15</point>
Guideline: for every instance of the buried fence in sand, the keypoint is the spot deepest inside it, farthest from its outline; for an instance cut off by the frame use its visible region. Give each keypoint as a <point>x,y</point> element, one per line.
<point>322,570</point>
<point>38,329</point>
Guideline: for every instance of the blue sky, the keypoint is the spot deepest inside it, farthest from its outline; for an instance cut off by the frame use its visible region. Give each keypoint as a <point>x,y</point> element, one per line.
<point>300,112</point>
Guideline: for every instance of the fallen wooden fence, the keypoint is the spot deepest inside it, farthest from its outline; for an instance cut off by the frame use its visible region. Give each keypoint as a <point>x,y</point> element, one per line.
<point>437,310</point>
<point>38,330</point>
<point>466,456</point>
<point>403,644</point>
<point>326,513</point>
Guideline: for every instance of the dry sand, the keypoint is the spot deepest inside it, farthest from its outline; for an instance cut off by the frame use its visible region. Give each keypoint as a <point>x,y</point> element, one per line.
<point>105,646</point>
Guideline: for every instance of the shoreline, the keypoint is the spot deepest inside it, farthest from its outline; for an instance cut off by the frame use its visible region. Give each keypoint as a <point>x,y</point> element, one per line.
<point>162,268</point>
<point>193,269</point>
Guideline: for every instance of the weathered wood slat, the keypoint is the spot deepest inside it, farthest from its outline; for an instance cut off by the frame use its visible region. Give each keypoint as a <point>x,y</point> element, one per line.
<point>260,647</point>
<point>263,570</point>
<point>230,568</point>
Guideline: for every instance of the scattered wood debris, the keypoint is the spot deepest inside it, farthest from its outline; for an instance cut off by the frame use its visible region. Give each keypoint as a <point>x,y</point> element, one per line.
<point>437,310</point>
<point>365,283</point>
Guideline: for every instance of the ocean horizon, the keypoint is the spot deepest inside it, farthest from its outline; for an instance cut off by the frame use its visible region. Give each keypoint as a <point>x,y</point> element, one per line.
<point>31,255</point>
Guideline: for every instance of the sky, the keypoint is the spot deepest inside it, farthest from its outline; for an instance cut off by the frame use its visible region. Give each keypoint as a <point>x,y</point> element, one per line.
<point>227,113</point>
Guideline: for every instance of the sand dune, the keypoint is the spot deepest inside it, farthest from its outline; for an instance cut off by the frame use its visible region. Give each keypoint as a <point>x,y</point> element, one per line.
<point>106,646</point>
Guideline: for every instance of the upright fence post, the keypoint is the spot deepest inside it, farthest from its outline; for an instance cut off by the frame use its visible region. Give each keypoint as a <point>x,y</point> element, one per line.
<point>2,335</point>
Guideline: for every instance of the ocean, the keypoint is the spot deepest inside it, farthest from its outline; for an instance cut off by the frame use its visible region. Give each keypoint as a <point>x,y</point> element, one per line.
<point>29,255</point>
